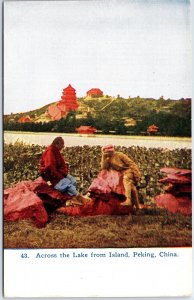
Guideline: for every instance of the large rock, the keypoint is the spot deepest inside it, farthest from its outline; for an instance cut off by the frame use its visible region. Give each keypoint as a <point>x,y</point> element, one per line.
<point>178,191</point>
<point>171,178</point>
<point>22,203</point>
<point>32,200</point>
<point>174,204</point>
<point>176,171</point>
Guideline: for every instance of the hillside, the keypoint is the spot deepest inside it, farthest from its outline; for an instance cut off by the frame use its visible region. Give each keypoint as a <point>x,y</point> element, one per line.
<point>32,113</point>
<point>109,115</point>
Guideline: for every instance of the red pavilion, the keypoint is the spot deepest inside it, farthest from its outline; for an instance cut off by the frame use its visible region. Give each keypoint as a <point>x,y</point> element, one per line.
<point>95,93</point>
<point>69,99</point>
<point>68,102</point>
<point>86,130</point>
<point>152,128</point>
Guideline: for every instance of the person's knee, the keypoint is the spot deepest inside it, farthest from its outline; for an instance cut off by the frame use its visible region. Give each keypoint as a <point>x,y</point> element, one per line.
<point>62,184</point>
<point>72,179</point>
<point>128,174</point>
<point>127,180</point>
<point>72,190</point>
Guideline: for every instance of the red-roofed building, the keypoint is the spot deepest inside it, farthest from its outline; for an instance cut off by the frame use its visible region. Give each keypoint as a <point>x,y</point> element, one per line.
<point>86,130</point>
<point>152,128</point>
<point>95,93</point>
<point>24,119</point>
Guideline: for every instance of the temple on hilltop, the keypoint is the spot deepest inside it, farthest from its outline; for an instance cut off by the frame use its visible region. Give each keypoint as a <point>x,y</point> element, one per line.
<point>95,92</point>
<point>68,102</point>
<point>69,99</point>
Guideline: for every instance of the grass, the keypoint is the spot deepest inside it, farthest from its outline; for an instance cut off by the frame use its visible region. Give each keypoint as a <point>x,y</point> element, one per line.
<point>151,228</point>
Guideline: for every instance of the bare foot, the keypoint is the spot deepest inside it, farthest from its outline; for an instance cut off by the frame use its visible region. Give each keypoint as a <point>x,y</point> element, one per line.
<point>126,203</point>
<point>73,202</point>
<point>87,198</point>
<point>82,199</point>
<point>141,206</point>
<point>87,195</point>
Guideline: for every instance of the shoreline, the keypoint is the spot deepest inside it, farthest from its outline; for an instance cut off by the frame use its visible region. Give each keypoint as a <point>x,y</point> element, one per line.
<point>43,139</point>
<point>146,137</point>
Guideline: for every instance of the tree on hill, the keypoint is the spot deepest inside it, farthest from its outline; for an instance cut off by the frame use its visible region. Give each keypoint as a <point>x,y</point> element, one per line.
<point>108,115</point>
<point>169,124</point>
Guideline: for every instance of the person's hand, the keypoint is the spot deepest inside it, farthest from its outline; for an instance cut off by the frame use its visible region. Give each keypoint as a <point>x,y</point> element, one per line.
<point>106,155</point>
<point>136,180</point>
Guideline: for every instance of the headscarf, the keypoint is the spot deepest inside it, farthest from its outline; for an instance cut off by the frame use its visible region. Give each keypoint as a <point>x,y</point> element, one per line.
<point>108,148</point>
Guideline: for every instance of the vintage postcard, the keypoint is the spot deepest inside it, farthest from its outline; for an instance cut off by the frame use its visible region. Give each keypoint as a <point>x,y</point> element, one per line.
<point>97,148</point>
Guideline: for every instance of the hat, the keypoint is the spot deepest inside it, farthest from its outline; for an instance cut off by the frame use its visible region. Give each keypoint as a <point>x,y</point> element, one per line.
<point>108,148</point>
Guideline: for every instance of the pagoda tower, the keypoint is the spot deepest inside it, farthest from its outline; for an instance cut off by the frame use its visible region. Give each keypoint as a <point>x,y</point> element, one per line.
<point>69,100</point>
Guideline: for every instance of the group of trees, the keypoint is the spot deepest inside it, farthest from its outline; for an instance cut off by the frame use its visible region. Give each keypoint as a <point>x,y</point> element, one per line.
<point>169,124</point>
<point>67,124</point>
<point>172,117</point>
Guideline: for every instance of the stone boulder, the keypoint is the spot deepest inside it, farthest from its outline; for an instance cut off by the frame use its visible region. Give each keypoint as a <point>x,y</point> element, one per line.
<point>178,191</point>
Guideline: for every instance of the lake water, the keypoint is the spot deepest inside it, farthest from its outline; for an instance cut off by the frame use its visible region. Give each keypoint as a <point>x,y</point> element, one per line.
<point>44,139</point>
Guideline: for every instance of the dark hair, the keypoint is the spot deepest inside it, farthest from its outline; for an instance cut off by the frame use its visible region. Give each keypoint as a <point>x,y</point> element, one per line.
<point>57,140</point>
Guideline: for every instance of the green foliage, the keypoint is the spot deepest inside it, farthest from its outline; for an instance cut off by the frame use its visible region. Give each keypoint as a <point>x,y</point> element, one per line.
<point>173,117</point>
<point>169,124</point>
<point>21,162</point>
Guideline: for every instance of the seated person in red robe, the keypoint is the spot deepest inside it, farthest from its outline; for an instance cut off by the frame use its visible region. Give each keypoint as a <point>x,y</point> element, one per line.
<point>54,170</point>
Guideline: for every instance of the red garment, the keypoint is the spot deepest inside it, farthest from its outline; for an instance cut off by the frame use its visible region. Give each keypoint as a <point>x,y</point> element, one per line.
<point>107,193</point>
<point>53,167</point>
<point>107,182</point>
<point>97,207</point>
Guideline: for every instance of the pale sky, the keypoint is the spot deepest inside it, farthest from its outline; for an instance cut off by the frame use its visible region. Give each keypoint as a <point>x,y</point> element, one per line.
<point>126,47</point>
